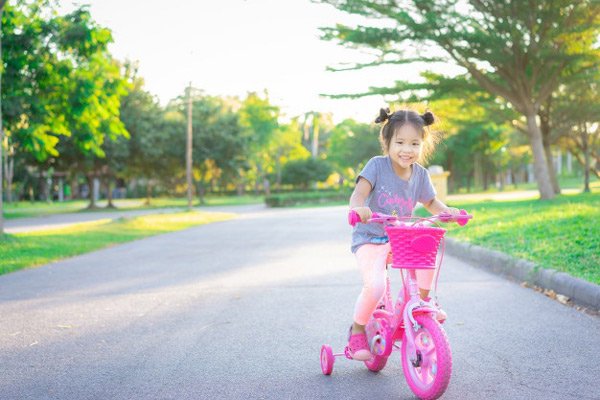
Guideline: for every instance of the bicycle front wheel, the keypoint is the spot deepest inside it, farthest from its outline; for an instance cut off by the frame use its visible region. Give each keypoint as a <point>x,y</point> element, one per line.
<point>428,371</point>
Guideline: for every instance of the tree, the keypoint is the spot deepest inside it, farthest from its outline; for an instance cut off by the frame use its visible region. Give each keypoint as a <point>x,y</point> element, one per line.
<point>155,147</point>
<point>2,3</point>
<point>97,86</point>
<point>576,111</point>
<point>63,86</point>
<point>351,145</point>
<point>286,146</point>
<point>220,145</point>
<point>316,127</point>
<point>259,121</point>
<point>514,50</point>
<point>30,116</point>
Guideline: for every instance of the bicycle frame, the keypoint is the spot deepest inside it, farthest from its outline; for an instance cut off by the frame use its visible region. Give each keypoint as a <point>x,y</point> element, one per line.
<point>412,305</point>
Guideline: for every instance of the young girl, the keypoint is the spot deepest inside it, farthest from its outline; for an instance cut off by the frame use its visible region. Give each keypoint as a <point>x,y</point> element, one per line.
<point>389,184</point>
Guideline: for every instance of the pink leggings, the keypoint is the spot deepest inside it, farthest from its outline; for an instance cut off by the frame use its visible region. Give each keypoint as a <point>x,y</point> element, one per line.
<point>371,260</point>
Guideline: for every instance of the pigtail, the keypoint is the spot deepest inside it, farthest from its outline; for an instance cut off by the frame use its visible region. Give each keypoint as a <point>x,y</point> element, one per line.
<point>384,115</point>
<point>428,118</point>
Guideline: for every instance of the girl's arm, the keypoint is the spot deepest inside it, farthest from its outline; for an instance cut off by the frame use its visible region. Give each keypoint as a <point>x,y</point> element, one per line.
<point>436,206</point>
<point>359,197</point>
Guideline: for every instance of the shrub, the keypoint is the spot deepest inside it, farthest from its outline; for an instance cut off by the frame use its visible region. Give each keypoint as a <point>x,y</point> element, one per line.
<point>298,198</point>
<point>302,173</point>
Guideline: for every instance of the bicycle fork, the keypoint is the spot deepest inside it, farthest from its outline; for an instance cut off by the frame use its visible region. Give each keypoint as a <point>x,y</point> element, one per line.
<point>411,327</point>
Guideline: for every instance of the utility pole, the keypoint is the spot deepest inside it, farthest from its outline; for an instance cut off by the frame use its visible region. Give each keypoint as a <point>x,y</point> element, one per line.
<point>188,152</point>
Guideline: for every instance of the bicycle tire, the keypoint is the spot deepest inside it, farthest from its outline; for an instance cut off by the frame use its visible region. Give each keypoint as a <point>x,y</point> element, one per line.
<point>429,382</point>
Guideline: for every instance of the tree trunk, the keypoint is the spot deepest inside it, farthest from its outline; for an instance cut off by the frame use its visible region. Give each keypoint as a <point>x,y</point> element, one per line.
<point>586,156</point>
<point>42,186</point>
<point>513,178</point>
<point>581,160</point>
<point>148,192</point>
<point>576,149</point>
<point>551,170</point>
<point>1,129</point>
<point>74,188</point>
<point>315,141</point>
<point>259,179</point>
<point>9,168</point>
<point>240,189</point>
<point>109,196</point>
<point>470,178</point>
<point>278,168</point>
<point>549,161</point>
<point>201,192</point>
<point>90,181</point>
<point>477,170</point>
<point>540,164</point>
<point>547,140</point>
<point>1,177</point>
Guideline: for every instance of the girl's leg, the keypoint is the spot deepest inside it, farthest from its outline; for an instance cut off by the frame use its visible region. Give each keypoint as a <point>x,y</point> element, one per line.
<point>371,259</point>
<point>424,281</point>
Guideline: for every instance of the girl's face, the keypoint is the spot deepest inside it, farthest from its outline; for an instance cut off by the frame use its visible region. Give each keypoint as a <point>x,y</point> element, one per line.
<point>406,146</point>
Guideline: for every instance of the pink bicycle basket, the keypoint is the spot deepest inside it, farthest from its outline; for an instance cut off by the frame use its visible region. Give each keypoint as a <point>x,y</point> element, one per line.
<point>414,247</point>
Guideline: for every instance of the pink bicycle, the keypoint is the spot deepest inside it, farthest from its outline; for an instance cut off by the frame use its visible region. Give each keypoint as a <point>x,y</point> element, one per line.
<point>425,350</point>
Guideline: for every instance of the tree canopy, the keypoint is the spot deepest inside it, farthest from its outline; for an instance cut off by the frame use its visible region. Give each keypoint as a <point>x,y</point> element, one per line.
<point>516,51</point>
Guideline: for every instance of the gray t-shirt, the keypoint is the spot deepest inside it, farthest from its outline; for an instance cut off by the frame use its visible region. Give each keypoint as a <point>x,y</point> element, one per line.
<point>390,195</point>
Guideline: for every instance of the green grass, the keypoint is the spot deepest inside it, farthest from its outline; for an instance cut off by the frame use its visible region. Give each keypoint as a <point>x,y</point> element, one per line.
<point>25,209</point>
<point>563,233</point>
<point>41,247</point>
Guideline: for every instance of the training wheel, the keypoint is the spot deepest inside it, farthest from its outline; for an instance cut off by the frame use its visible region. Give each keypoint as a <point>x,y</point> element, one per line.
<point>327,359</point>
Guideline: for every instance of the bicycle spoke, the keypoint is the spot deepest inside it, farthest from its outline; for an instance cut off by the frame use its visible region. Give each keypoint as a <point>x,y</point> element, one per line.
<point>424,375</point>
<point>429,352</point>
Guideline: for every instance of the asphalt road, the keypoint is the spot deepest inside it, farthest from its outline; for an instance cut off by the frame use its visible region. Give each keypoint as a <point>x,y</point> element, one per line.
<point>239,310</point>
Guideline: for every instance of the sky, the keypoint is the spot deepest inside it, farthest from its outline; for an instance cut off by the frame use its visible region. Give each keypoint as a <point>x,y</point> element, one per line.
<point>232,47</point>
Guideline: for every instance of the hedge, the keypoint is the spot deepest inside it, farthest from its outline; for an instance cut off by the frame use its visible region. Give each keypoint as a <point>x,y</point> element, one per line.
<point>302,198</point>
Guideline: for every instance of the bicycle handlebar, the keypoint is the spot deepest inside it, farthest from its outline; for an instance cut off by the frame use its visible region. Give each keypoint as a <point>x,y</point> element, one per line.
<point>461,219</point>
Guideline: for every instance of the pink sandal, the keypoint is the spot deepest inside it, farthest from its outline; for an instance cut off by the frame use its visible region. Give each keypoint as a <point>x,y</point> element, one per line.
<point>441,314</point>
<point>358,347</point>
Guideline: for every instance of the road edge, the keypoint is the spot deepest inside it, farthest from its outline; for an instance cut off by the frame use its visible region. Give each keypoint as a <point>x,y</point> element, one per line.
<point>580,292</point>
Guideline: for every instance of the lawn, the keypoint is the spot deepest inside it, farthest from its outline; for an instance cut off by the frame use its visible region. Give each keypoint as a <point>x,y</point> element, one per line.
<point>563,233</point>
<point>41,247</point>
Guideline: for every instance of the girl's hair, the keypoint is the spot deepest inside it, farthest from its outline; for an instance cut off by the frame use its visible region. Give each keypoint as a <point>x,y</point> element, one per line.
<point>394,121</point>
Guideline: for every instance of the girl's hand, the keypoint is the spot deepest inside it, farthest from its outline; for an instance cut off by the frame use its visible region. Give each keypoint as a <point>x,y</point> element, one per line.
<point>364,212</point>
<point>452,211</point>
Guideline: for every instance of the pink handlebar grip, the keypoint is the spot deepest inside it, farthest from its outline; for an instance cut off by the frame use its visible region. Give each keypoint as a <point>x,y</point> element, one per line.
<point>460,219</point>
<point>353,218</point>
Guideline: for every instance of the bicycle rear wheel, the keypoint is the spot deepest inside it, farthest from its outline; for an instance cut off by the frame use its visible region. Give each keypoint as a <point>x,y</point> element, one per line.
<point>428,371</point>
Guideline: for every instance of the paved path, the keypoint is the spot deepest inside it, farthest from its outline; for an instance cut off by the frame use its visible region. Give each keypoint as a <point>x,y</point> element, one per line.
<point>503,196</point>
<point>239,310</point>
<point>54,221</point>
